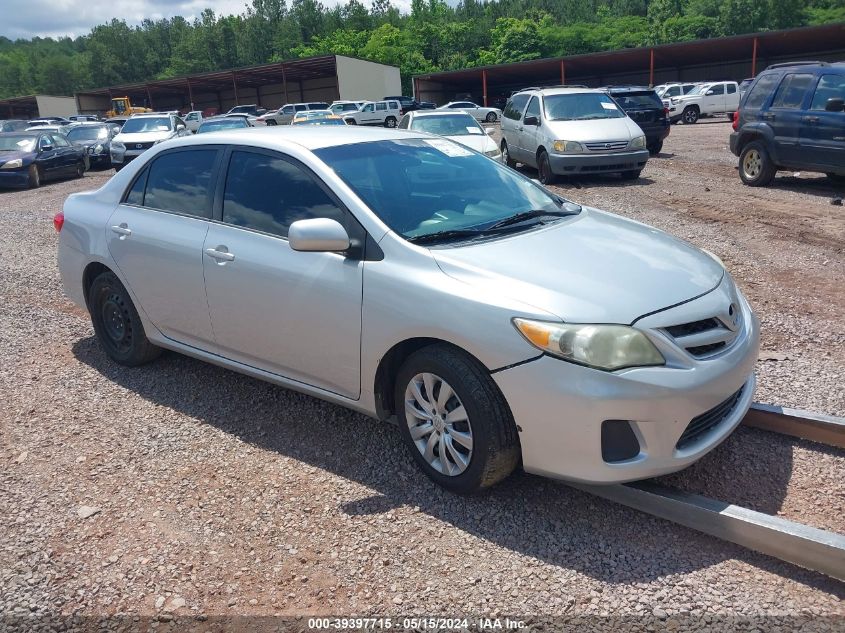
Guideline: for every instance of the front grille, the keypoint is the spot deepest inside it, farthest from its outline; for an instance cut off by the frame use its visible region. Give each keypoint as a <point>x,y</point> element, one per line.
<point>703,423</point>
<point>685,329</point>
<point>701,338</point>
<point>610,146</point>
<point>145,145</point>
<point>615,167</point>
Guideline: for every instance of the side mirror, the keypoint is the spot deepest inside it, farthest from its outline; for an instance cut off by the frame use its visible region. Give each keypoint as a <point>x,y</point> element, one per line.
<point>321,235</point>
<point>835,104</point>
<point>47,147</point>
<point>179,127</point>
<point>531,120</point>
<point>710,92</point>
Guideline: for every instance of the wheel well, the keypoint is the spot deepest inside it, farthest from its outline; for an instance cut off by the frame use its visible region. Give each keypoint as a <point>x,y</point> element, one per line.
<point>694,106</point>
<point>389,365</point>
<point>540,150</point>
<point>92,271</point>
<point>747,138</point>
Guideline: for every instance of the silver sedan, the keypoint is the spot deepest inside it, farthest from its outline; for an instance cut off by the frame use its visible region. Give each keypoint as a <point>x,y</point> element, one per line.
<point>412,279</point>
<point>480,113</point>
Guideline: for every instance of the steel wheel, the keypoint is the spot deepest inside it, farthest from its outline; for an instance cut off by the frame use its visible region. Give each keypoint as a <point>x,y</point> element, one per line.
<point>752,163</point>
<point>439,424</point>
<point>116,322</point>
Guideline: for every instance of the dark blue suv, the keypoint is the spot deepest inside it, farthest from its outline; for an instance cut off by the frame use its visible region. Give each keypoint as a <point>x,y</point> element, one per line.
<point>792,117</point>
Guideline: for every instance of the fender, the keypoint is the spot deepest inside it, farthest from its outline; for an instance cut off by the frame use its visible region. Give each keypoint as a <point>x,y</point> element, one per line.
<point>759,129</point>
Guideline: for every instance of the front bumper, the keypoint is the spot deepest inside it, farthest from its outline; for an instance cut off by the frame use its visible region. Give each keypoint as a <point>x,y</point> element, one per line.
<point>14,177</point>
<point>596,162</point>
<point>560,407</point>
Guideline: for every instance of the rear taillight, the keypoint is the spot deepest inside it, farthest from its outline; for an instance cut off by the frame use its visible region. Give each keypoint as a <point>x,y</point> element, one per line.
<point>735,124</point>
<point>59,221</point>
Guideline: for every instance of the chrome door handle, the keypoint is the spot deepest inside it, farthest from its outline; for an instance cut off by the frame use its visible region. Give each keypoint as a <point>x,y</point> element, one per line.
<point>811,119</point>
<point>223,256</point>
<point>122,230</point>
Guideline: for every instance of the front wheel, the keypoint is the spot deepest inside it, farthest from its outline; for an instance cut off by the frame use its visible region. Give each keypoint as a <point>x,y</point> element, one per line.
<point>271,122</point>
<point>506,156</point>
<point>655,149</point>
<point>80,170</point>
<point>390,121</point>
<point>491,117</point>
<point>117,324</point>
<point>34,177</point>
<point>544,168</point>
<point>454,420</point>
<point>690,115</point>
<point>755,167</point>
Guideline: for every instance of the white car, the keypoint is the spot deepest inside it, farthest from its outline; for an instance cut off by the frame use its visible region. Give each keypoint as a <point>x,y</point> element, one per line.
<point>386,113</point>
<point>708,99</point>
<point>456,126</point>
<point>194,119</point>
<point>341,108</point>
<point>141,132</point>
<point>490,115</point>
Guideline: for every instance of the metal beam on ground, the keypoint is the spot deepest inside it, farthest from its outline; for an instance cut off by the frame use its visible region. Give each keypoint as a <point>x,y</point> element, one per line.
<point>815,427</point>
<point>802,545</point>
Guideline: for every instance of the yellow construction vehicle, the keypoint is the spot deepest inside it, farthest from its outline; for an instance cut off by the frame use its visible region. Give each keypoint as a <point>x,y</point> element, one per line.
<point>120,106</point>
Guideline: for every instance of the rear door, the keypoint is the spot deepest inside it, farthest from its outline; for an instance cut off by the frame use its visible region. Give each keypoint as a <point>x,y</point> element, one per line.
<point>823,132</point>
<point>156,236</point>
<point>528,134</point>
<point>786,113</point>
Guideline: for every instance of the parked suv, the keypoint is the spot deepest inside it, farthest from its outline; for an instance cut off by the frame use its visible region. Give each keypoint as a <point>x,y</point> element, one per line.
<point>708,99</point>
<point>141,132</point>
<point>568,131</point>
<point>646,109</point>
<point>409,104</point>
<point>793,117</point>
<point>386,113</point>
<point>252,109</point>
<point>285,114</point>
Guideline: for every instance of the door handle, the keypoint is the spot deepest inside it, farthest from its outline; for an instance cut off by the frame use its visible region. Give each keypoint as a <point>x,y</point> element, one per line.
<point>122,230</point>
<point>811,119</point>
<point>221,256</point>
<point>769,117</point>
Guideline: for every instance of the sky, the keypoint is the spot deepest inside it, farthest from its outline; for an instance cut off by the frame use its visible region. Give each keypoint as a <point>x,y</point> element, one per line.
<point>58,18</point>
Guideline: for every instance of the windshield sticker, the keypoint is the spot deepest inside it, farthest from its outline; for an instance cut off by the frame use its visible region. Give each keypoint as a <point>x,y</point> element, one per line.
<point>448,148</point>
<point>473,130</point>
<point>608,106</point>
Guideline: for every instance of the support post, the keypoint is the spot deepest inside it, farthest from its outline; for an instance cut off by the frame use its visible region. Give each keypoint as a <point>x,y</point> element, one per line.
<point>416,94</point>
<point>484,86</point>
<point>285,83</point>
<point>235,86</point>
<point>190,93</point>
<point>651,69</point>
<point>754,59</point>
<point>149,97</point>
<point>562,73</point>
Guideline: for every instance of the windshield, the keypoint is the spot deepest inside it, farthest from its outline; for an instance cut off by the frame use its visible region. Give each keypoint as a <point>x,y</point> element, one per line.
<point>17,143</point>
<point>322,121</point>
<point>147,124</point>
<point>447,125</point>
<point>581,107</point>
<point>222,124</point>
<point>424,186</point>
<point>88,133</point>
<point>698,90</point>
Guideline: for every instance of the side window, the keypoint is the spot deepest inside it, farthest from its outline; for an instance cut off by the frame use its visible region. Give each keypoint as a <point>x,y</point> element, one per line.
<point>761,91</point>
<point>394,105</point>
<point>731,89</point>
<point>287,110</point>
<point>135,195</point>
<point>791,91</point>
<point>368,107</point>
<point>717,89</point>
<point>533,108</point>
<point>404,123</point>
<point>300,107</point>
<point>181,182</point>
<point>514,107</point>
<point>288,193</point>
<point>381,105</point>
<point>192,116</point>
<point>830,87</point>
<point>44,140</point>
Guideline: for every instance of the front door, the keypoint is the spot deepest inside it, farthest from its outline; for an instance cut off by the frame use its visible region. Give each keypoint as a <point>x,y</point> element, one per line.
<point>823,132</point>
<point>156,236</point>
<point>290,313</point>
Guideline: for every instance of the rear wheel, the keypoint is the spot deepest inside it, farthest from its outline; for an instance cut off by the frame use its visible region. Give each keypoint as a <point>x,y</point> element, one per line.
<point>117,324</point>
<point>390,121</point>
<point>544,169</point>
<point>755,167</point>
<point>491,117</point>
<point>690,115</point>
<point>655,149</point>
<point>34,176</point>
<point>80,170</point>
<point>506,155</point>
<point>454,420</point>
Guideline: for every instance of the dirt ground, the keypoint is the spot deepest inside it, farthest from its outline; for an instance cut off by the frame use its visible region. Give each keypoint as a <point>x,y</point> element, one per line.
<point>186,493</point>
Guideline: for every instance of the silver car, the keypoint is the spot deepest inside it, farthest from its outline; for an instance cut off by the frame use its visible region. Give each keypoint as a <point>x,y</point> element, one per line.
<point>409,278</point>
<point>571,131</point>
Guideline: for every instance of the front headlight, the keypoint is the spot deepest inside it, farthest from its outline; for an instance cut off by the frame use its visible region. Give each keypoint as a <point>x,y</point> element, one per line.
<point>567,147</point>
<point>13,164</point>
<point>637,143</point>
<point>606,347</point>
<point>98,148</point>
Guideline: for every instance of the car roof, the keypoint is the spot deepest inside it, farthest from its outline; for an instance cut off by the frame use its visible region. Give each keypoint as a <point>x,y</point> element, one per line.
<point>279,137</point>
<point>562,90</point>
<point>434,113</point>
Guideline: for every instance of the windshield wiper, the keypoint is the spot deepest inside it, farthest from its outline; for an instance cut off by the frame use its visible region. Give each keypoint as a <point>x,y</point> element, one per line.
<point>438,236</point>
<point>527,215</point>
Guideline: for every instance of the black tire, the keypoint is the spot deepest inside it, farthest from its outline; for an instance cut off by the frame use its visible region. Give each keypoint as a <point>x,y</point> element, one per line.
<point>544,169</point>
<point>632,174</point>
<point>80,170</point>
<point>351,122</point>
<point>655,149</point>
<point>491,117</point>
<point>34,177</point>
<point>117,324</point>
<point>271,122</point>
<point>690,115</point>
<point>495,442</point>
<point>756,169</point>
<point>390,122</point>
<point>506,156</point>
<point>836,179</point>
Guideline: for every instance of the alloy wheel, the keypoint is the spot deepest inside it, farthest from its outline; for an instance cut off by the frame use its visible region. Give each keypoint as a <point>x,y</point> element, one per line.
<point>439,424</point>
<point>752,164</point>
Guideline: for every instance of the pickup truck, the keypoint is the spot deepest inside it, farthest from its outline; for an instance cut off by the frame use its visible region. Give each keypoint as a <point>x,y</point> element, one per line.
<point>708,99</point>
<point>386,113</point>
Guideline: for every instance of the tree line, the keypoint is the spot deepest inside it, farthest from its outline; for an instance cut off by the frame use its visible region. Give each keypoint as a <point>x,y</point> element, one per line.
<point>432,36</point>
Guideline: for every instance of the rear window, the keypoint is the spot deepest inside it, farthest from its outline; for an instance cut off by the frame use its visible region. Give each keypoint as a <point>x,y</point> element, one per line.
<point>761,91</point>
<point>638,100</point>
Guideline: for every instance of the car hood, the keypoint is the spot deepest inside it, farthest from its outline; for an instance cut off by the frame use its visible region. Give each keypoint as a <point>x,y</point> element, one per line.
<point>89,143</point>
<point>592,268</point>
<point>26,157</point>
<point>479,142</point>
<point>143,137</point>
<point>596,131</point>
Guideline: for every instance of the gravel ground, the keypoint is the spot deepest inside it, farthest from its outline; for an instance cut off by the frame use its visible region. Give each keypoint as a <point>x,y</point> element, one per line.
<point>180,490</point>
